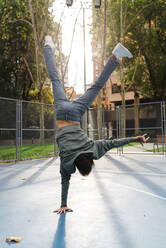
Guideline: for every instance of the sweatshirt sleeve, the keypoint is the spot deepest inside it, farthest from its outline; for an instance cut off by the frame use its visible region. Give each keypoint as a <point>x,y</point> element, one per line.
<point>103,146</point>
<point>65,178</point>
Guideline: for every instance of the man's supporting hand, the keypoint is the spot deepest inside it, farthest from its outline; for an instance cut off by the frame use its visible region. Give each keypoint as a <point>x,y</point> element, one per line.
<point>142,139</point>
<point>63,209</point>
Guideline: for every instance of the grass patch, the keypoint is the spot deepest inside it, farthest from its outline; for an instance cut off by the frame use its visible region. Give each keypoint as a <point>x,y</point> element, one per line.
<point>132,144</point>
<point>7,152</point>
<point>28,151</point>
<point>156,150</point>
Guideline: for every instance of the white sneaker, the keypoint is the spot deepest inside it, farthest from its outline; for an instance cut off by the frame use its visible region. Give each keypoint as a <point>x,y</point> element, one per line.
<point>120,51</point>
<point>49,42</point>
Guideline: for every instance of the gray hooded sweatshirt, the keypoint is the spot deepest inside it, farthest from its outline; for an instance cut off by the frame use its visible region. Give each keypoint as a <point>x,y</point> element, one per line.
<point>72,141</point>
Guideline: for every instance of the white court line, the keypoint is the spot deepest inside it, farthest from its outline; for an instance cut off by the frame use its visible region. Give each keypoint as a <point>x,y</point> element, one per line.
<point>136,173</point>
<point>142,173</point>
<point>140,191</point>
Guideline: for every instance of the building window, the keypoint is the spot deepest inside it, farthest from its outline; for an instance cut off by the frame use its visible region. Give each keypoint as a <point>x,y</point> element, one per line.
<point>116,88</point>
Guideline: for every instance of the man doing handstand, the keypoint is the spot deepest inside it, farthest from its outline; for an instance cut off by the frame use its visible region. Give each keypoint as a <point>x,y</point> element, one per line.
<point>76,149</point>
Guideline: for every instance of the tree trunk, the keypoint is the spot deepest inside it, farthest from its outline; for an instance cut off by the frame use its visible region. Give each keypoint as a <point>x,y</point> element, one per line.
<point>136,113</point>
<point>123,109</point>
<point>123,112</point>
<point>99,108</point>
<point>36,42</point>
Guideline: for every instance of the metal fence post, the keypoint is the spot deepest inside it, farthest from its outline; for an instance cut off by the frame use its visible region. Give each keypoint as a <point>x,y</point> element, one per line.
<point>164,124</point>
<point>84,122</point>
<point>120,129</point>
<point>161,110</point>
<point>55,143</point>
<point>116,111</point>
<point>18,140</point>
<point>21,136</point>
<point>17,129</point>
<point>118,123</point>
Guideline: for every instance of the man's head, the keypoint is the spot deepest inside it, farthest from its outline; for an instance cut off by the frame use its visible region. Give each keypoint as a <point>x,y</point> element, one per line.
<point>84,163</point>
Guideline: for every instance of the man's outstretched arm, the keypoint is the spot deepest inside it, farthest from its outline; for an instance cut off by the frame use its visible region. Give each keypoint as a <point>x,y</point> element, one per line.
<point>103,146</point>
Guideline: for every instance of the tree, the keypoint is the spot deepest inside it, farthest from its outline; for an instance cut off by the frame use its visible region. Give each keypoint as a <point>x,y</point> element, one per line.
<point>148,41</point>
<point>22,28</point>
<point>115,30</point>
<point>15,39</point>
<point>140,25</point>
<point>120,21</point>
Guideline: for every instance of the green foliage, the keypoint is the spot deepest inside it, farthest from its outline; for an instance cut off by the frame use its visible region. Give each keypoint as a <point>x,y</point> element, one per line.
<point>18,76</point>
<point>147,39</point>
<point>141,26</point>
<point>14,35</point>
<point>47,94</point>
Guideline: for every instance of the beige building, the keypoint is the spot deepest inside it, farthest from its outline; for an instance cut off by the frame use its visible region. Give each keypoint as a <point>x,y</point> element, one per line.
<point>71,93</point>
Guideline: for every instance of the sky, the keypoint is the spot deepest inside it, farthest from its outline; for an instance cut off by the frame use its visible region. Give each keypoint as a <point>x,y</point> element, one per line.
<point>67,20</point>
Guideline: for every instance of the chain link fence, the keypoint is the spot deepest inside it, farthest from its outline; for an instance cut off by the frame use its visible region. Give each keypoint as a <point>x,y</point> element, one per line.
<point>8,129</point>
<point>133,120</point>
<point>27,130</point>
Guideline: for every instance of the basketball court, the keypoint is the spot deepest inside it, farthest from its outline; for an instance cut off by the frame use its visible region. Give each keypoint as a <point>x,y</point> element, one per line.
<point>122,204</point>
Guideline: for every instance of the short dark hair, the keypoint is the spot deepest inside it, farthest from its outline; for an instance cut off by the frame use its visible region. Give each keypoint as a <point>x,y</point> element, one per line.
<point>84,163</point>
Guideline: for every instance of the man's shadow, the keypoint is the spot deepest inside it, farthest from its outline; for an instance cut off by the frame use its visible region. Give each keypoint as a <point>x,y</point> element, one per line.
<point>59,238</point>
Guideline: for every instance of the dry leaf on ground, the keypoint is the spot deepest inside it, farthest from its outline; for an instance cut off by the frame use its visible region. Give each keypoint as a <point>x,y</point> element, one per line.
<point>13,239</point>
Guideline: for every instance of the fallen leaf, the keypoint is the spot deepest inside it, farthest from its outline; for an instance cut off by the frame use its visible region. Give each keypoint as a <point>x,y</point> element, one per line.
<point>13,239</point>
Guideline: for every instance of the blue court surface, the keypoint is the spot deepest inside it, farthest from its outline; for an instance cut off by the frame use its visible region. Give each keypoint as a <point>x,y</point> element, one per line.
<point>122,204</point>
